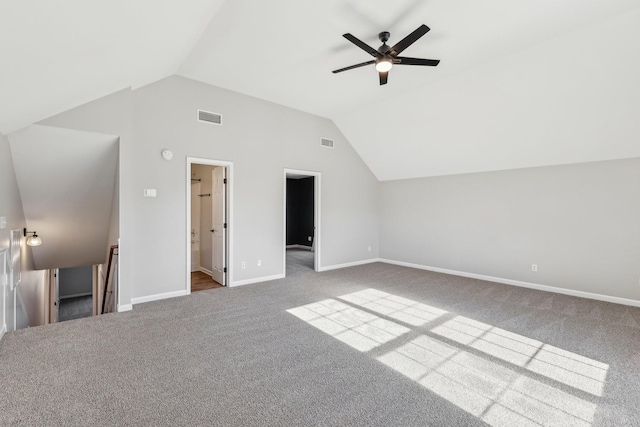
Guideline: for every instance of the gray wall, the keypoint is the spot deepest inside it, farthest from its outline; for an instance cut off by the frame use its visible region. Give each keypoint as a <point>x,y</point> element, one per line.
<point>579,223</point>
<point>262,139</point>
<point>75,281</point>
<point>112,115</point>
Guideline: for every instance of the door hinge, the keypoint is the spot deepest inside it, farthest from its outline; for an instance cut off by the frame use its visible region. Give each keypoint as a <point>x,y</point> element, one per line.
<point>224,181</point>
<point>224,270</point>
<point>225,225</point>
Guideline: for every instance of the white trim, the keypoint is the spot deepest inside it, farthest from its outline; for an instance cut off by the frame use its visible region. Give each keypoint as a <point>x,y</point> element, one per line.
<point>117,272</point>
<point>309,248</point>
<point>158,297</point>
<point>205,271</point>
<point>125,307</point>
<point>257,280</point>
<point>230,221</point>
<point>349,264</point>
<point>316,217</point>
<point>529,285</point>
<point>4,279</point>
<point>77,295</point>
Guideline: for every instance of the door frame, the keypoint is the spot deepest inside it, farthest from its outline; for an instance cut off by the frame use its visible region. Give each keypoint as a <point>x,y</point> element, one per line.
<point>316,217</point>
<point>229,202</point>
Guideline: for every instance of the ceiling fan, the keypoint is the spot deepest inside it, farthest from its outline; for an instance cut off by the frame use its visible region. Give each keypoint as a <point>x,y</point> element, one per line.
<point>386,57</point>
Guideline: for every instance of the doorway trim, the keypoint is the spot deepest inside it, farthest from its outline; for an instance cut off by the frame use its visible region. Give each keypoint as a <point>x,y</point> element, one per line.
<point>316,217</point>
<point>230,223</point>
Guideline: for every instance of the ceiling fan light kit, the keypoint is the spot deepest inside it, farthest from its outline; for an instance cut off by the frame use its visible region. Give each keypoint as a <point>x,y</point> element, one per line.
<point>386,57</point>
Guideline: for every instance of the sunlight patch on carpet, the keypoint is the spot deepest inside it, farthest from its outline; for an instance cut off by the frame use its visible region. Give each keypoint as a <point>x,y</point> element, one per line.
<point>357,328</point>
<point>560,365</point>
<point>501,377</point>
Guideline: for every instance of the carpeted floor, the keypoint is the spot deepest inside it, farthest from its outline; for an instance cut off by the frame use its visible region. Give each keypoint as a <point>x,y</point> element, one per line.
<point>370,345</point>
<point>299,262</point>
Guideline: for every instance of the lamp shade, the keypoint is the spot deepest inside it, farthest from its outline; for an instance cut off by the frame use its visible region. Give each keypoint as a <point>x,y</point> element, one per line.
<point>34,240</point>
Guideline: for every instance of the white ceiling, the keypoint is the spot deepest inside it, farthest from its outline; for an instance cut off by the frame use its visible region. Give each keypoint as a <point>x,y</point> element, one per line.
<point>520,83</point>
<point>66,180</point>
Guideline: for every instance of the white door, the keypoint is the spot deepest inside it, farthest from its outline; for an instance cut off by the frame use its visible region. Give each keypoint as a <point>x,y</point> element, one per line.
<point>218,219</point>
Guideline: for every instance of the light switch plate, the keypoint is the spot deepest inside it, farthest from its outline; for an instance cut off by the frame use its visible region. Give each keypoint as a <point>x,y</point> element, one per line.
<point>3,222</point>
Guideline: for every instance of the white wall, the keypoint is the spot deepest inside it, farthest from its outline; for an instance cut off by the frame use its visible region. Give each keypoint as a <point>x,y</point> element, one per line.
<point>579,223</point>
<point>32,287</point>
<point>261,139</point>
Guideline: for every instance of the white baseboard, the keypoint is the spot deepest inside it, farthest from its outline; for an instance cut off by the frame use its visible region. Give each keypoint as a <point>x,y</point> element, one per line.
<point>76,295</point>
<point>256,280</point>
<point>125,307</point>
<point>207,272</point>
<point>564,291</point>
<point>308,248</point>
<point>348,264</point>
<point>2,331</point>
<point>158,297</point>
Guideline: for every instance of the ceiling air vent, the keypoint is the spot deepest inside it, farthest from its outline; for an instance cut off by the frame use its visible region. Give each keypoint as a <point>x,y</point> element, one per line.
<point>326,142</point>
<point>209,117</point>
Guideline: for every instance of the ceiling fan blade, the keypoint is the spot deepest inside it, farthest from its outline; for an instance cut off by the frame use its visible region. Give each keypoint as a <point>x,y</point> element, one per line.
<point>362,45</point>
<point>383,77</point>
<point>416,61</point>
<point>409,40</point>
<point>351,67</point>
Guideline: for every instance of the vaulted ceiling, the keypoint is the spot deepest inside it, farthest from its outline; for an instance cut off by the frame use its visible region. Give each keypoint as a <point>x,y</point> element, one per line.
<point>521,84</point>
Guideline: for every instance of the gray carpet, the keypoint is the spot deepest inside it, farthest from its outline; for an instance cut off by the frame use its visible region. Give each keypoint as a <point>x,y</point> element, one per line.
<point>369,345</point>
<point>299,262</point>
<point>75,308</point>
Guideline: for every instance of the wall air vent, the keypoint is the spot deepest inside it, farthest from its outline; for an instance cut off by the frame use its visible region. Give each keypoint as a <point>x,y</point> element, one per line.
<point>326,142</point>
<point>209,117</point>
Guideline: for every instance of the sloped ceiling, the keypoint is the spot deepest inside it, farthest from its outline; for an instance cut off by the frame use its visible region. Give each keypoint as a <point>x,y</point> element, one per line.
<point>60,54</point>
<point>66,180</point>
<point>525,83</point>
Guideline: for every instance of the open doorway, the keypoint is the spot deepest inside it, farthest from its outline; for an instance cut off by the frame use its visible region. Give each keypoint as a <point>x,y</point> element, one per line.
<point>208,231</point>
<point>71,293</point>
<point>301,222</point>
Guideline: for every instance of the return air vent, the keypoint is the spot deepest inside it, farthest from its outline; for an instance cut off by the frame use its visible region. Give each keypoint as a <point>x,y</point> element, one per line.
<point>209,117</point>
<point>326,142</point>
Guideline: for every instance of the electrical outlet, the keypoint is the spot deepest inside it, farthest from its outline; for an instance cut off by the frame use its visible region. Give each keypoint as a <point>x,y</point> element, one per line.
<point>259,263</point>
<point>309,238</point>
<point>3,221</point>
<point>369,248</point>
<point>534,267</point>
<point>243,265</point>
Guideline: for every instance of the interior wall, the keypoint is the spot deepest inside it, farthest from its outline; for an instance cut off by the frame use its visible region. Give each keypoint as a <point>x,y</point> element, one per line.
<point>113,115</point>
<point>261,139</point>
<point>112,240</point>
<point>30,308</point>
<point>75,281</point>
<point>580,224</point>
<point>300,211</point>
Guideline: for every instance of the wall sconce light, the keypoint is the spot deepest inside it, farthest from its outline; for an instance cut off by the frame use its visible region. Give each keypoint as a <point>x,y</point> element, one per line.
<point>34,239</point>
